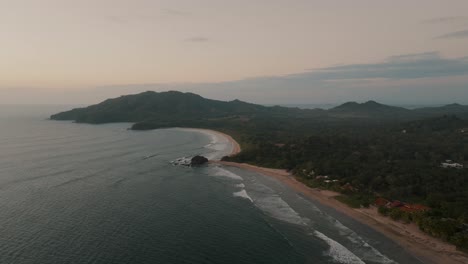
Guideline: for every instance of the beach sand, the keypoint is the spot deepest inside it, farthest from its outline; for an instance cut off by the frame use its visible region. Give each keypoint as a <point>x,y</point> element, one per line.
<point>422,246</point>
<point>235,147</point>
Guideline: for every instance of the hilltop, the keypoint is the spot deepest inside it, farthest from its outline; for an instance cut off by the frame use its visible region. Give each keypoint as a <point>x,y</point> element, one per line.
<point>369,109</point>
<point>172,106</point>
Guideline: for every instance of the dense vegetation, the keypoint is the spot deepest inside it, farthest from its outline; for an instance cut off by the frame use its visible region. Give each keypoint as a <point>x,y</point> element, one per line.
<point>366,150</point>
<point>396,161</point>
<point>171,106</point>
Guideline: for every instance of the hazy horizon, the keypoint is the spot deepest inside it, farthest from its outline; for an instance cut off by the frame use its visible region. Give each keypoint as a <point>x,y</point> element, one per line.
<point>323,105</point>
<point>266,52</point>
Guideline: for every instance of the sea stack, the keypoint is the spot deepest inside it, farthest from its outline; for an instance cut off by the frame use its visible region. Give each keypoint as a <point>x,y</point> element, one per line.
<point>198,160</point>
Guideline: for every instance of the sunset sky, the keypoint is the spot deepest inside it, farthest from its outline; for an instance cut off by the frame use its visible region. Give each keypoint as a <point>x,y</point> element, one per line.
<point>264,51</point>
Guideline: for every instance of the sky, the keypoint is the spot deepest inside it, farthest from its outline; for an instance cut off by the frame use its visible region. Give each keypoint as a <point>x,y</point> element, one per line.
<point>262,51</point>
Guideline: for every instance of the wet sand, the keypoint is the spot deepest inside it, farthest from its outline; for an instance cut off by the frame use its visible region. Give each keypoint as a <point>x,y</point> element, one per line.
<point>235,147</point>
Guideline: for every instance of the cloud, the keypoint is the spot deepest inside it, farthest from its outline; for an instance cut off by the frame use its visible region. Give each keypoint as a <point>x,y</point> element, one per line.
<point>455,35</point>
<point>197,39</point>
<point>117,19</point>
<point>419,77</point>
<point>409,66</point>
<point>175,12</point>
<point>414,57</point>
<point>408,78</point>
<point>447,20</point>
<point>129,19</point>
<point>132,18</point>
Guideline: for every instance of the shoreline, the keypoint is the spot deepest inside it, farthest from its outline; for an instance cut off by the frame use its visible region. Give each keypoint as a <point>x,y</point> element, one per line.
<point>235,147</point>
<point>419,244</point>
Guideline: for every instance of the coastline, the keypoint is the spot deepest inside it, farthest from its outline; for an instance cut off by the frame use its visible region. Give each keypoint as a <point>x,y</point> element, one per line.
<point>235,147</point>
<point>419,244</point>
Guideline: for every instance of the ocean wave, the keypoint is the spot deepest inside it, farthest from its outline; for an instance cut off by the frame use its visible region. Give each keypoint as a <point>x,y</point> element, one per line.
<point>220,172</point>
<point>220,144</point>
<point>277,208</point>
<point>242,194</point>
<point>366,251</point>
<point>218,147</point>
<point>338,252</point>
<point>184,161</point>
<point>240,185</point>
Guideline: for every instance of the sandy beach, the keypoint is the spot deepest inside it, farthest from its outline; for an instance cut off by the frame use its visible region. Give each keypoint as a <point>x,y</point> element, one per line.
<point>408,236</point>
<point>234,145</point>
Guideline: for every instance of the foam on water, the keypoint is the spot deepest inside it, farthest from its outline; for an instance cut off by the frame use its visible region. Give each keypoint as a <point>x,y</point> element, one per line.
<point>277,208</point>
<point>216,146</point>
<point>338,252</point>
<point>220,145</point>
<point>363,249</point>
<point>242,194</point>
<point>240,185</point>
<point>185,161</point>
<point>220,172</point>
<point>366,251</point>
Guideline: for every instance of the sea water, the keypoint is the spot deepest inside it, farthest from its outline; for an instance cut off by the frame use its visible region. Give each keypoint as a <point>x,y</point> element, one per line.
<point>79,193</point>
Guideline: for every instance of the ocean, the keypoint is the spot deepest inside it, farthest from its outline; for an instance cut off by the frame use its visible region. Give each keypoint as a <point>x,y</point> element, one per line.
<point>79,193</point>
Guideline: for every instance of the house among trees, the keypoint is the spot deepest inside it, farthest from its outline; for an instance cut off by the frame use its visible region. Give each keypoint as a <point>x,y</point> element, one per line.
<point>320,177</point>
<point>451,164</point>
<point>395,204</point>
<point>348,187</point>
<point>382,202</point>
<point>414,208</point>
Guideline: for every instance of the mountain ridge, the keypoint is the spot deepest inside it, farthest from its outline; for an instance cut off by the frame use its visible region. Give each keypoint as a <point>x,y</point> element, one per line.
<point>174,105</point>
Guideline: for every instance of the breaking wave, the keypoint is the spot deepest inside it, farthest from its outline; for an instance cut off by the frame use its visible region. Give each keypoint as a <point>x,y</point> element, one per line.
<point>360,247</point>
<point>277,208</point>
<point>338,252</point>
<point>242,194</point>
<point>220,145</point>
<point>220,172</point>
<point>366,251</point>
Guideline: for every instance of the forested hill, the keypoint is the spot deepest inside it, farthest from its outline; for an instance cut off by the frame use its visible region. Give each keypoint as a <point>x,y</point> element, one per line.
<point>370,109</point>
<point>173,106</point>
<point>167,108</point>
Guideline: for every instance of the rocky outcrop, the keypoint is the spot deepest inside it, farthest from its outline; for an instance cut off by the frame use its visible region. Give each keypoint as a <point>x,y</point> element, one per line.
<point>198,160</point>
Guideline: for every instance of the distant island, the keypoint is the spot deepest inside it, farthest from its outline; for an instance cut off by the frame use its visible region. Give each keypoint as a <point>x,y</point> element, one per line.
<point>410,163</point>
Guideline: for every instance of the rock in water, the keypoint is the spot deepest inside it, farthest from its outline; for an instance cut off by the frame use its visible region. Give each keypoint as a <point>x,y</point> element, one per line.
<point>198,160</point>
